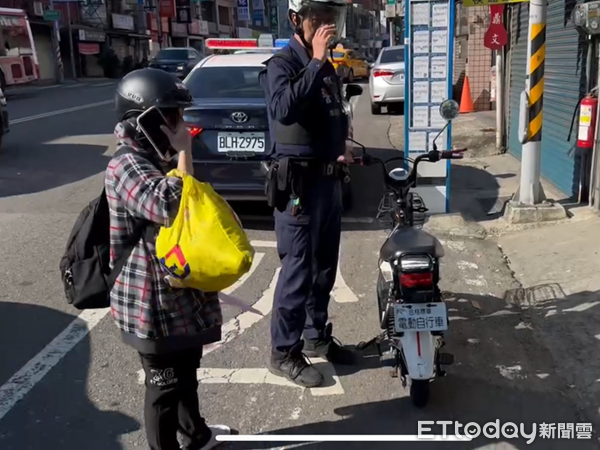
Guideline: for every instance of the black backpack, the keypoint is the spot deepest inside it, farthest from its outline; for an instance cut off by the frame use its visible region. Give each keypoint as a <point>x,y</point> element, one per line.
<point>84,267</point>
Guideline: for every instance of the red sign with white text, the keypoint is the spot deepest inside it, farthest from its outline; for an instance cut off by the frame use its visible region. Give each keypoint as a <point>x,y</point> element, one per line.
<point>496,37</point>
<point>167,8</point>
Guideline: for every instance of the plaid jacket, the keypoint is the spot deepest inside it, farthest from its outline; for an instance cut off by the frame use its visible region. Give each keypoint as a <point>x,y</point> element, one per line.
<point>152,316</point>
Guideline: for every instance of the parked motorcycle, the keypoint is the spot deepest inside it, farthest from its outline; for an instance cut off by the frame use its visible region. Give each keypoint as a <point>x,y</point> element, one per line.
<point>412,313</point>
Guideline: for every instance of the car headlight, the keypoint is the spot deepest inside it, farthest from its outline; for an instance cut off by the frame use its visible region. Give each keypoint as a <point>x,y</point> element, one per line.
<point>180,67</point>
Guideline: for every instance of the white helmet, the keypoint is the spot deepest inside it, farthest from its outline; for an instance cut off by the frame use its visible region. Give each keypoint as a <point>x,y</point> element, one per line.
<point>326,11</point>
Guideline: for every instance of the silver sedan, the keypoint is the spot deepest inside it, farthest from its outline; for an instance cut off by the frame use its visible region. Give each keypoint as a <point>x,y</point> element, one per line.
<point>386,81</point>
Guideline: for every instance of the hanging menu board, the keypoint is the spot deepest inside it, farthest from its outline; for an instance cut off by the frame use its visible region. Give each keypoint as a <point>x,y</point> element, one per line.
<point>428,63</point>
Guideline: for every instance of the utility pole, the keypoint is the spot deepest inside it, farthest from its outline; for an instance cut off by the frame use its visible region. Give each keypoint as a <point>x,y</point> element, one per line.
<point>58,66</point>
<point>71,41</point>
<point>530,188</point>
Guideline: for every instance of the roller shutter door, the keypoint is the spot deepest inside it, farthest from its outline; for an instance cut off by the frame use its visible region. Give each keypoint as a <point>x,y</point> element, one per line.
<point>564,84</point>
<point>518,67</point>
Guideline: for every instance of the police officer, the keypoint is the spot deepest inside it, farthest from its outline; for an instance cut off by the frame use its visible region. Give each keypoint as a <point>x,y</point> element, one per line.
<point>309,129</point>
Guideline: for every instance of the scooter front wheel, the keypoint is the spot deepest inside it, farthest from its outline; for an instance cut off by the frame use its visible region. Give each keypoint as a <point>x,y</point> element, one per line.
<point>419,392</point>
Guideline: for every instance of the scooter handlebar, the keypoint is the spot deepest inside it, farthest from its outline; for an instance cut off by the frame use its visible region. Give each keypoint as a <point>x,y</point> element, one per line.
<point>453,154</point>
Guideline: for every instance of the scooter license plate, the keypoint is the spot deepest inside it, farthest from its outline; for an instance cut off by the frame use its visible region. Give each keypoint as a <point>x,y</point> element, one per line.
<point>420,317</point>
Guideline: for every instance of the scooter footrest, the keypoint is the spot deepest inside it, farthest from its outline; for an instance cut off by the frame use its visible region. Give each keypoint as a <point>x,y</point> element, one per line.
<point>445,359</point>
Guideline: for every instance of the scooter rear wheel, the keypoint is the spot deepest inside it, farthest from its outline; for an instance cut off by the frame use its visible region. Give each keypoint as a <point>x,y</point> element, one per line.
<point>419,392</point>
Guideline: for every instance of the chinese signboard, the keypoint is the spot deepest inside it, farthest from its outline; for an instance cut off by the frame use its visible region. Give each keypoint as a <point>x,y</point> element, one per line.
<point>428,72</point>
<point>167,8</point>
<point>491,2</point>
<point>122,22</point>
<point>496,37</point>
<point>243,11</point>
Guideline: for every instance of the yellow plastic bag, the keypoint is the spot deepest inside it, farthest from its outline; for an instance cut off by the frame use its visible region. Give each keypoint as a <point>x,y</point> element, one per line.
<point>206,247</point>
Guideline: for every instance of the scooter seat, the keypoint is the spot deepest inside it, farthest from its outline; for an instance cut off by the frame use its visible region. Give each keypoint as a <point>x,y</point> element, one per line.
<point>410,240</point>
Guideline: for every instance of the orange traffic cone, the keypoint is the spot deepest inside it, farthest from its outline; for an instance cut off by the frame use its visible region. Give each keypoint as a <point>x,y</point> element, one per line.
<point>466,102</point>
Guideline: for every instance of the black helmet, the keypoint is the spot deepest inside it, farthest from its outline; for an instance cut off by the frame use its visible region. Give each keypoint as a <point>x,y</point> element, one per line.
<point>143,88</point>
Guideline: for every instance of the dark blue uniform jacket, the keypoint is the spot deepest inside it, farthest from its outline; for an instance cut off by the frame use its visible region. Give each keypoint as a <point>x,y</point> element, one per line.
<point>306,115</point>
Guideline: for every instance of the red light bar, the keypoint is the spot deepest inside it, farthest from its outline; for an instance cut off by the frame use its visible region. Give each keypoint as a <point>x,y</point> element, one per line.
<point>230,44</point>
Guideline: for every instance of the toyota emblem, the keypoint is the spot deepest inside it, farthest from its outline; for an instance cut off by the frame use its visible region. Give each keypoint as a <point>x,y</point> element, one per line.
<point>239,117</point>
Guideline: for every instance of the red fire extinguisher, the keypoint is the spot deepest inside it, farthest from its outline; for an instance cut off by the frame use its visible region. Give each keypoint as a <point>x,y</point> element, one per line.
<point>587,121</point>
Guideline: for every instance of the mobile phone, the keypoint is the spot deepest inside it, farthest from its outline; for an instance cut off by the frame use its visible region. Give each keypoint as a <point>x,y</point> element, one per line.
<point>150,122</point>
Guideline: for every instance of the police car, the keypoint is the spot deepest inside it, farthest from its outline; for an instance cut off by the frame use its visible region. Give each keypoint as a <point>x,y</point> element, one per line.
<point>228,121</point>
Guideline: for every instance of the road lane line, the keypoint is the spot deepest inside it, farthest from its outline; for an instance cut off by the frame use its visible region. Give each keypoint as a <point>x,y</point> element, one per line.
<point>268,218</point>
<point>60,111</point>
<point>268,244</point>
<point>242,376</point>
<point>239,324</point>
<point>17,387</point>
<point>255,262</point>
<point>110,83</point>
<point>264,376</point>
<point>341,293</point>
<point>328,372</point>
<point>76,85</point>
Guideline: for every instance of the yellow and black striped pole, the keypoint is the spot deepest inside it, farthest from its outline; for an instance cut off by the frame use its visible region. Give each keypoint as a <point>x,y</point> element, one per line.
<point>536,81</point>
<point>530,188</point>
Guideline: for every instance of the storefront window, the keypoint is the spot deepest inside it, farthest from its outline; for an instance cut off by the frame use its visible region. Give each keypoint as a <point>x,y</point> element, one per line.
<point>208,11</point>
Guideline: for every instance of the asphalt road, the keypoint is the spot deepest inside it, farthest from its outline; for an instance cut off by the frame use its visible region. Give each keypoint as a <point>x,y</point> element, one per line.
<point>62,388</point>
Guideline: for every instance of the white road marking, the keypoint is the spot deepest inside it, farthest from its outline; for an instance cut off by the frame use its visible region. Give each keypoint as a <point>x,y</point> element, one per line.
<point>242,376</point>
<point>267,218</point>
<point>257,259</point>
<point>241,323</point>
<point>76,85</point>
<point>17,387</point>
<point>268,244</point>
<point>110,83</point>
<point>263,376</point>
<point>60,111</point>
<point>237,326</point>
<point>328,371</point>
<point>341,293</point>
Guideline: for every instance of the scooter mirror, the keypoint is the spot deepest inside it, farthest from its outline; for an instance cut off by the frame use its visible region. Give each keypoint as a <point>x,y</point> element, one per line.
<point>398,174</point>
<point>449,109</point>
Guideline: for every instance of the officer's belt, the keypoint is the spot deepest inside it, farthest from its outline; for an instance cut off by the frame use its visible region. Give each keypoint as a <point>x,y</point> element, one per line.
<point>315,167</point>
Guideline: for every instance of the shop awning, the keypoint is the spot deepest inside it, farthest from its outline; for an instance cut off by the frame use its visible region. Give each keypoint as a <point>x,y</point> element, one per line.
<point>89,48</point>
<point>126,33</point>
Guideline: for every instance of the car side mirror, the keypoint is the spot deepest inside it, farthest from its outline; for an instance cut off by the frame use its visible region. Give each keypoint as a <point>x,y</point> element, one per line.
<point>353,90</point>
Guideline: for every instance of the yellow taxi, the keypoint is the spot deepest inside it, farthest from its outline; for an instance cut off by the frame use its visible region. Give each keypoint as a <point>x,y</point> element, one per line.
<point>349,63</point>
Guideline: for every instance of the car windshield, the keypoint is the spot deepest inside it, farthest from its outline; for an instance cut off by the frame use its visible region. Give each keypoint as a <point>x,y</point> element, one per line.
<point>392,56</point>
<point>172,54</point>
<point>338,55</point>
<point>225,82</point>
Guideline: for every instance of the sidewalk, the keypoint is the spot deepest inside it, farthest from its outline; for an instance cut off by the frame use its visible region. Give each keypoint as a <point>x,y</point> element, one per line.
<point>557,264</point>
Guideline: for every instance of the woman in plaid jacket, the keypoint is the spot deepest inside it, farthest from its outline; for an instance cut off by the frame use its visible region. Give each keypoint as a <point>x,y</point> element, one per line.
<point>167,326</point>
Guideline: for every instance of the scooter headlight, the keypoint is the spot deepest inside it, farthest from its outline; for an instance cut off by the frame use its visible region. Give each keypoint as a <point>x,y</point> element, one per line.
<point>415,263</point>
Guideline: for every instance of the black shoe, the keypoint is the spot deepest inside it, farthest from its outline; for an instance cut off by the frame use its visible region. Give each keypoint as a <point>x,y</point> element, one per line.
<point>294,366</point>
<point>329,348</point>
